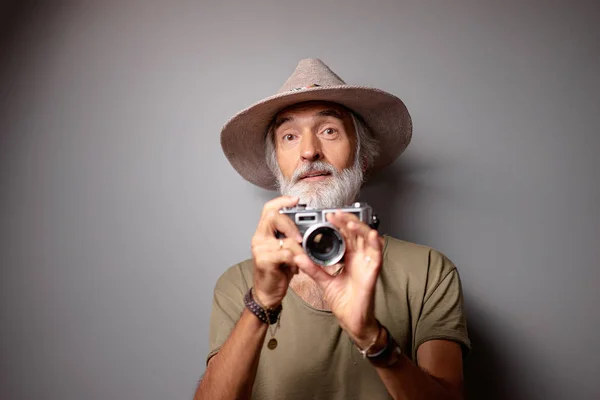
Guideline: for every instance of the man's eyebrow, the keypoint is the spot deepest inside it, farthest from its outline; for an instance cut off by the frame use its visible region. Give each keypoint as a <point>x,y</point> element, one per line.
<point>280,121</point>
<point>323,113</point>
<point>329,113</point>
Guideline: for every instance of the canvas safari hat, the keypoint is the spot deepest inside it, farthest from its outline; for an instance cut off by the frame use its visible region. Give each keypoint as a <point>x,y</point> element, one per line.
<point>385,116</point>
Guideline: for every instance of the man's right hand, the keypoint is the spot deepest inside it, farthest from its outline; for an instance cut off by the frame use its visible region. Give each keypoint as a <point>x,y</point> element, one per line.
<point>273,258</point>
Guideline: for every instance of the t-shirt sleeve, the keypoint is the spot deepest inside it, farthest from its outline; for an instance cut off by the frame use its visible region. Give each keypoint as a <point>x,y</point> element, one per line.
<point>227,307</point>
<point>442,315</point>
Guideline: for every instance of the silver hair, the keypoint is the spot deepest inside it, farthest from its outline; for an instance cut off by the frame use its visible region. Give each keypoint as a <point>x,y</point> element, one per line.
<point>367,147</point>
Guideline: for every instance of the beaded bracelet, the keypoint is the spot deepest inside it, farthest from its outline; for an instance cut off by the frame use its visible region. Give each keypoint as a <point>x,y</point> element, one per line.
<point>266,315</point>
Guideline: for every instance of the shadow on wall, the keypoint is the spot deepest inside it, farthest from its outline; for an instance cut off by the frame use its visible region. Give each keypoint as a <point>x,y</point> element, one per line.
<point>388,192</point>
<point>488,374</point>
<point>12,15</point>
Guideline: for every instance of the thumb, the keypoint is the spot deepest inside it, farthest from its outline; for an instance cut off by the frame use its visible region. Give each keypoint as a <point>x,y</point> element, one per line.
<point>312,270</point>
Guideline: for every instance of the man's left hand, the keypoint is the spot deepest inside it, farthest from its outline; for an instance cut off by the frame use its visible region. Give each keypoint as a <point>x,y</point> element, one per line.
<point>350,294</point>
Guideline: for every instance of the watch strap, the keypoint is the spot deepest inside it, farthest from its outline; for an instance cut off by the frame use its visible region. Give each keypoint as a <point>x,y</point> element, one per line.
<point>389,355</point>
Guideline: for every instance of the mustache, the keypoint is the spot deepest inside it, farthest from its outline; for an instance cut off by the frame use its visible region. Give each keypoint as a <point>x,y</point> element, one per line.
<point>313,167</point>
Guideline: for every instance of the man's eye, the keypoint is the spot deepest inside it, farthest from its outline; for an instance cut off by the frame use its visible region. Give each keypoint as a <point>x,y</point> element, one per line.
<point>329,131</point>
<point>288,137</point>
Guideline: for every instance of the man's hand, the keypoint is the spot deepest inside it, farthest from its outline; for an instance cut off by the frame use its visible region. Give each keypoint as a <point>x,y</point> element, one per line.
<point>274,264</point>
<point>350,294</point>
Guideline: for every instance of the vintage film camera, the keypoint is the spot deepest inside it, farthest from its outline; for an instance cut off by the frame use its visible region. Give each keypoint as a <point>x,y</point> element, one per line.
<point>322,241</point>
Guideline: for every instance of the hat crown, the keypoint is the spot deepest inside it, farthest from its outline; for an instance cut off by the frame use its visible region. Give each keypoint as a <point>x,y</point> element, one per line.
<point>311,72</point>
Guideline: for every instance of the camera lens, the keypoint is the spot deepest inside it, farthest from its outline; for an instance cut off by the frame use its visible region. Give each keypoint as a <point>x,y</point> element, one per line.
<point>324,245</point>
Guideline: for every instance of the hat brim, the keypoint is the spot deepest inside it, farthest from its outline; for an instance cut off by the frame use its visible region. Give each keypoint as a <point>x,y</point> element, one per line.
<point>386,116</point>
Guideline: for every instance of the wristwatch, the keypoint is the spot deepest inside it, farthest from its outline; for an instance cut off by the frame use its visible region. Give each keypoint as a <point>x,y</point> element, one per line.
<point>389,355</point>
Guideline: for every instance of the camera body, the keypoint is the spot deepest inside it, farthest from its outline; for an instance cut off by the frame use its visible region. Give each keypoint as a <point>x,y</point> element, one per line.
<point>323,242</point>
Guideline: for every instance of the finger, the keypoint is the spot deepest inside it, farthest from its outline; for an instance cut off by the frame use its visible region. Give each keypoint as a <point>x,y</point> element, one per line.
<point>349,221</point>
<point>372,266</point>
<point>285,225</point>
<point>373,250</point>
<point>289,272</point>
<point>291,245</point>
<point>343,217</point>
<point>336,219</point>
<point>359,228</point>
<point>270,209</point>
<point>373,240</point>
<point>360,243</point>
<point>274,244</point>
<point>267,261</point>
<point>349,238</point>
<point>273,221</point>
<point>312,270</point>
<point>279,202</point>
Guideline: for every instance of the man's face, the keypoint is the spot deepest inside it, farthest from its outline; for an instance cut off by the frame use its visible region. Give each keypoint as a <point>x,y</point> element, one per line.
<point>314,131</point>
<point>315,146</point>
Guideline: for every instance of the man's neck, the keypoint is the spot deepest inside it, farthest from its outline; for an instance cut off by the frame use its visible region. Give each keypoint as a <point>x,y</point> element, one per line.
<point>309,291</point>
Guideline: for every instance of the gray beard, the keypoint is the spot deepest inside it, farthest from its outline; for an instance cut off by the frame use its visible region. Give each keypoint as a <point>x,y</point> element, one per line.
<point>338,190</point>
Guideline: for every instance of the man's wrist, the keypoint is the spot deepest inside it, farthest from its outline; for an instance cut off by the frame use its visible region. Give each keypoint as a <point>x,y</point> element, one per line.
<point>264,301</point>
<point>370,340</point>
<point>380,344</point>
<point>267,315</point>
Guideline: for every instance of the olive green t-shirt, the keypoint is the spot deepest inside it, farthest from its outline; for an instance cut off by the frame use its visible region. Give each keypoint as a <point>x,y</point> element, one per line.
<point>418,297</point>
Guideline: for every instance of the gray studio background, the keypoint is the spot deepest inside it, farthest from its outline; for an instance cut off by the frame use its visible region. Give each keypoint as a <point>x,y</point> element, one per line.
<point>118,211</point>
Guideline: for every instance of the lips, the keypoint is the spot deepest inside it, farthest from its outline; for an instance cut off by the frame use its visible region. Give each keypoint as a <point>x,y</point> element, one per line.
<point>314,174</point>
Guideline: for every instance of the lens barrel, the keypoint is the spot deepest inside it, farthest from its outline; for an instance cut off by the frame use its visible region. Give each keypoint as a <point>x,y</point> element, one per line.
<point>324,244</point>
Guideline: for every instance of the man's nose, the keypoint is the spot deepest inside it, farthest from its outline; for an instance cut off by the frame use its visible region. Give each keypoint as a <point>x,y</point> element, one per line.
<point>311,147</point>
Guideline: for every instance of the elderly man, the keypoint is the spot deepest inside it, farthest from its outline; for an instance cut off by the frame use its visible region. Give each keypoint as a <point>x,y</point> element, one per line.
<point>388,322</point>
